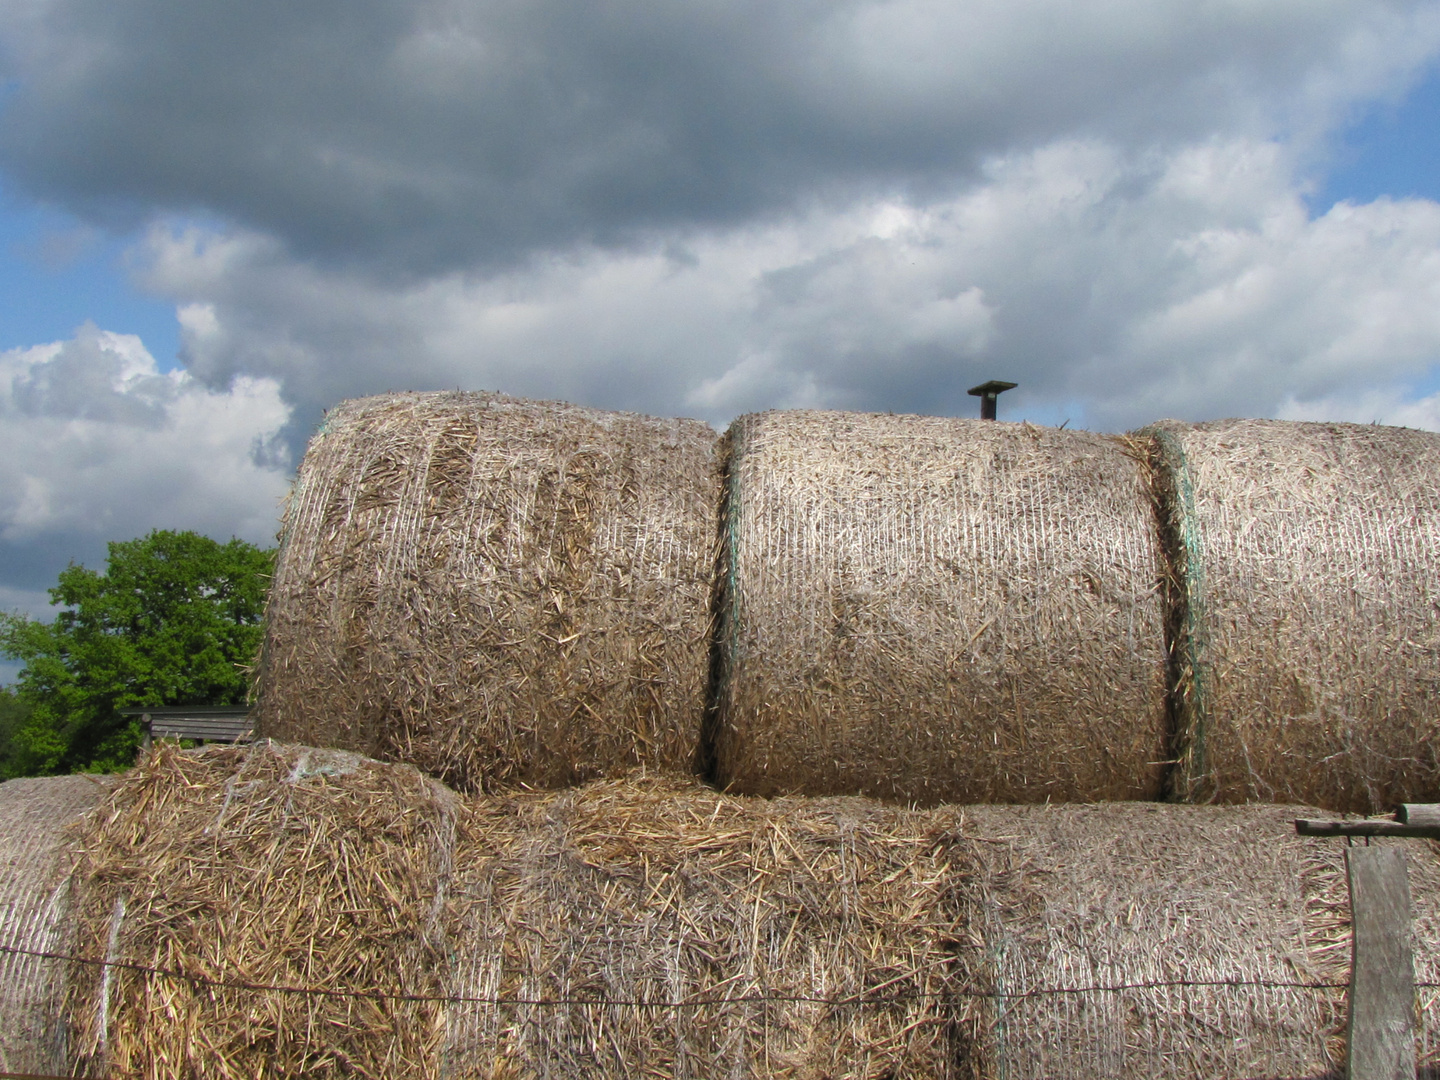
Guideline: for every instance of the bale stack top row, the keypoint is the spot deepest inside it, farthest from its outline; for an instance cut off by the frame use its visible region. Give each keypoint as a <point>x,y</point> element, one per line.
<point>925,610</point>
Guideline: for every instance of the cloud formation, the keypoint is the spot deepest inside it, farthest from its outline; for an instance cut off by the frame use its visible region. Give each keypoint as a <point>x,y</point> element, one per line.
<point>100,445</point>
<point>422,136</point>
<point>1116,289</point>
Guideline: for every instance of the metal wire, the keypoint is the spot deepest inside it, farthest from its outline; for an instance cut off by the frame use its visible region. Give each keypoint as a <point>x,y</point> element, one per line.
<point>697,1002</point>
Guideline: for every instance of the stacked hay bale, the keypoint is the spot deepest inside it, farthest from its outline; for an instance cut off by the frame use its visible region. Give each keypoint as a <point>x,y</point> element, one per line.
<point>930,610</point>
<point>693,934</point>
<point>1307,636</point>
<point>845,938</point>
<point>280,911</point>
<point>215,881</point>
<point>35,916</point>
<point>1221,937</point>
<point>495,590</point>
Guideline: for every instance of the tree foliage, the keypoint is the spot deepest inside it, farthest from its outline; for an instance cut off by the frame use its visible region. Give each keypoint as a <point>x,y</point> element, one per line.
<point>174,619</point>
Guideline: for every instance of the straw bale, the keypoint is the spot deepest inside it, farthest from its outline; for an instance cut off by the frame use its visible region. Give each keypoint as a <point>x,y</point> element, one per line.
<point>278,865</point>
<point>495,590</point>
<point>1422,858</point>
<point>842,912</point>
<point>1158,895</point>
<point>797,937</point>
<point>930,610</point>
<point>34,903</point>
<point>270,865</point>
<point>1308,599</point>
<point>636,891</point>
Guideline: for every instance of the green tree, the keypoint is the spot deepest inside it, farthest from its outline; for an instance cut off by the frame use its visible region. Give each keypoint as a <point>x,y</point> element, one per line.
<point>13,713</point>
<point>173,620</point>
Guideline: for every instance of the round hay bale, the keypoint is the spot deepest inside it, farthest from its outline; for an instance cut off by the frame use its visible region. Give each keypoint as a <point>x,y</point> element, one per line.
<point>34,915</point>
<point>693,934</point>
<point>300,912</point>
<point>929,610</point>
<point>846,938</point>
<point>1217,941</point>
<point>495,590</point>
<point>266,910</point>
<point>1307,638</point>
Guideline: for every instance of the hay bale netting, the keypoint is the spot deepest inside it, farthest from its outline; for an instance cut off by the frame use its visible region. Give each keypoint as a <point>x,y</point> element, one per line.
<point>932,609</point>
<point>735,937</point>
<point>1220,938</point>
<point>495,590</point>
<point>654,927</point>
<point>216,878</point>
<point>34,910</point>
<point>1308,595</point>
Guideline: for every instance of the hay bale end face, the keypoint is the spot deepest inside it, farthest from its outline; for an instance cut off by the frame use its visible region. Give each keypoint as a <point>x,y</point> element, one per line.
<point>35,915</point>
<point>263,867</point>
<point>1219,937</point>
<point>654,927</point>
<point>1308,642</point>
<point>929,610</point>
<point>495,590</point>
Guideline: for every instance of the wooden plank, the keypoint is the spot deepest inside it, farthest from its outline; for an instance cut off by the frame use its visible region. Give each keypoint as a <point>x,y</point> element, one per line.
<point>199,723</point>
<point>1382,981</point>
<point>213,728</point>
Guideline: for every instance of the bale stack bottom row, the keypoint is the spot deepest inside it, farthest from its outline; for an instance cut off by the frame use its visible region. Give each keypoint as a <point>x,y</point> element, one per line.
<point>277,910</point>
<point>919,609</point>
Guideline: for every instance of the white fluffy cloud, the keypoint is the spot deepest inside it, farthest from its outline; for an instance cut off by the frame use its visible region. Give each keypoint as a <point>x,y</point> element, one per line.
<point>1387,405</point>
<point>1116,287</point>
<point>98,443</point>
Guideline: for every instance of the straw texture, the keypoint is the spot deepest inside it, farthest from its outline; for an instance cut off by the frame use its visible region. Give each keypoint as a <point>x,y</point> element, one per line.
<point>939,921</point>
<point>929,610</point>
<point>653,927</point>
<point>495,590</point>
<point>34,910</point>
<point>1422,859</point>
<point>660,892</point>
<point>1308,638</point>
<point>1134,893</point>
<point>270,865</point>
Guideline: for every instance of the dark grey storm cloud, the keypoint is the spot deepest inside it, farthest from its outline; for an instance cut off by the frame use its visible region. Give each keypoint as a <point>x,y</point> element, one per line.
<point>414,137</point>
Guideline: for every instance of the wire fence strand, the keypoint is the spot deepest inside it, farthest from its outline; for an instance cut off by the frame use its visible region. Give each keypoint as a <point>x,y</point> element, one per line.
<point>698,1001</point>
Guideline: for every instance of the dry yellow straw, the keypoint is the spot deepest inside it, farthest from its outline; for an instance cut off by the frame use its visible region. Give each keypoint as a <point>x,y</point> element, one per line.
<point>312,913</point>
<point>495,590</point>
<point>1309,643</point>
<point>930,610</point>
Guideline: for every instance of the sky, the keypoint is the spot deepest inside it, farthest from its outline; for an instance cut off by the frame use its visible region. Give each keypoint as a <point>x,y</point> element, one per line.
<point>218,220</point>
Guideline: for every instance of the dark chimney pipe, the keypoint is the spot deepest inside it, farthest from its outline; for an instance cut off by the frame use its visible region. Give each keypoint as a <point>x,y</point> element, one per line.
<point>987,392</point>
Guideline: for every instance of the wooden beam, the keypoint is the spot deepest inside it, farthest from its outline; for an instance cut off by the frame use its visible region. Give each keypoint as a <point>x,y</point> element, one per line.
<point>1419,814</point>
<point>1381,1033</point>
<point>215,730</point>
<point>1311,827</point>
